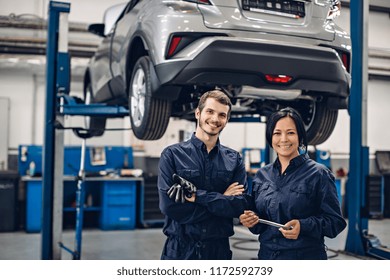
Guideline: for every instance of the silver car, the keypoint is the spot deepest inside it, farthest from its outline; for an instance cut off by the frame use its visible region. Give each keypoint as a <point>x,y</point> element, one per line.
<point>158,56</point>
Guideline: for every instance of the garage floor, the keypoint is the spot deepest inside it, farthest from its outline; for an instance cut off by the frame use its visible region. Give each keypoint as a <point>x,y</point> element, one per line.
<point>146,244</point>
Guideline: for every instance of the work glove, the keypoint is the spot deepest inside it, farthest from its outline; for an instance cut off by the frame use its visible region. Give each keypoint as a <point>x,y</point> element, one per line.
<point>180,188</point>
<point>176,192</point>
<point>188,187</point>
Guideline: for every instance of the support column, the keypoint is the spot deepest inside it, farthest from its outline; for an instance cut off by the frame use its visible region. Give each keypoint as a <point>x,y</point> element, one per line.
<point>52,156</point>
<point>359,153</point>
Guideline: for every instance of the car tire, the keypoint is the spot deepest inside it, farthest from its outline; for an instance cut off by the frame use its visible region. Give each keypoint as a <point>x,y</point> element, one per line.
<point>149,116</point>
<point>94,126</point>
<point>319,120</point>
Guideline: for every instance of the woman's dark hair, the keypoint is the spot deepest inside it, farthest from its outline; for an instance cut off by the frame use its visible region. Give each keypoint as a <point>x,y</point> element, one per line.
<point>296,117</point>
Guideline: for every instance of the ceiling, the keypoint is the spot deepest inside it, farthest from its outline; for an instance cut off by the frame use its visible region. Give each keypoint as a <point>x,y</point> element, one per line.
<point>23,44</point>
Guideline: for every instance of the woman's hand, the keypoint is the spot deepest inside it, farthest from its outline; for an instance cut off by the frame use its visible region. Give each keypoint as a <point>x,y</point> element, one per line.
<point>291,233</point>
<point>249,219</point>
<point>234,189</point>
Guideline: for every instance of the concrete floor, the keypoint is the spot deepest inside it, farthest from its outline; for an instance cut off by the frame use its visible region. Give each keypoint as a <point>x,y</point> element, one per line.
<point>146,244</point>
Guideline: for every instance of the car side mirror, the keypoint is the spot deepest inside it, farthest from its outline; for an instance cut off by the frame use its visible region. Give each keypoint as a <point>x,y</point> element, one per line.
<point>97,29</point>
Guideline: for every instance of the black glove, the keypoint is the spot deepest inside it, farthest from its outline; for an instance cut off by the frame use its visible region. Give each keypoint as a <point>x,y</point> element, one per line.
<point>176,192</point>
<point>180,188</point>
<point>188,187</point>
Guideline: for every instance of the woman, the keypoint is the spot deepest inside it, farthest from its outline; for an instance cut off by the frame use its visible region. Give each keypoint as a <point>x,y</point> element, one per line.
<point>294,191</point>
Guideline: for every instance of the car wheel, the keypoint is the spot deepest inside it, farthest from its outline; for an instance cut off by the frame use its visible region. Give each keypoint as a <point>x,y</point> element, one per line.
<point>319,121</point>
<point>149,116</point>
<point>94,126</point>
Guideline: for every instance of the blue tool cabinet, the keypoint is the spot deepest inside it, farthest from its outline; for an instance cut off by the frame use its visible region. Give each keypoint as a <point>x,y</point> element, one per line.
<point>111,202</point>
<point>118,205</point>
<point>33,206</point>
<point>116,202</point>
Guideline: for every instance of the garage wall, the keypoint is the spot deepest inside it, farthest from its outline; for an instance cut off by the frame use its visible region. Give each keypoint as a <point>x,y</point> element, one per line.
<point>24,85</point>
<point>78,8</point>
<point>378,25</point>
<point>4,116</point>
<point>25,89</point>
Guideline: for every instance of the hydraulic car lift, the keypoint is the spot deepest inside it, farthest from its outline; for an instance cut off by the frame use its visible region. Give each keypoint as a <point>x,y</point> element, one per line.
<point>359,241</point>
<point>59,104</point>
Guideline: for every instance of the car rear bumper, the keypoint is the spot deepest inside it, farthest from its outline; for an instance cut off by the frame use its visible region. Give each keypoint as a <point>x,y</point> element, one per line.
<point>230,62</point>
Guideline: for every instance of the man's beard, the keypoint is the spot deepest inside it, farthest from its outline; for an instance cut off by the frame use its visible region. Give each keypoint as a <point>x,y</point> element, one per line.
<point>202,125</point>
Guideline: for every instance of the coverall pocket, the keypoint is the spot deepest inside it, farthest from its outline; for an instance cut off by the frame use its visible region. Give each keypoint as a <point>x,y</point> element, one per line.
<point>265,196</point>
<point>191,175</point>
<point>301,200</point>
<point>225,176</point>
<point>264,189</point>
<point>222,180</point>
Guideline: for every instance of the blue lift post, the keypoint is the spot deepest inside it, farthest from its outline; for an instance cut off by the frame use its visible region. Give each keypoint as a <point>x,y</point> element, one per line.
<point>359,242</point>
<point>358,162</point>
<point>59,104</point>
<point>56,67</point>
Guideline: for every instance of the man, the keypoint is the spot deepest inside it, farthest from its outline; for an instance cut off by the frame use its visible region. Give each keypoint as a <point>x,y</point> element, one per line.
<point>200,227</point>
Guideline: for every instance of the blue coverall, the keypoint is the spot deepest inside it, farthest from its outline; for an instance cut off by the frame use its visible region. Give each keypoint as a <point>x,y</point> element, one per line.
<point>305,191</point>
<point>200,230</point>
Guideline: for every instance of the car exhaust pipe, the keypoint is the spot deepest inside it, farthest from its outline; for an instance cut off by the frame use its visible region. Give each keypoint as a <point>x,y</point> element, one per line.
<point>252,92</point>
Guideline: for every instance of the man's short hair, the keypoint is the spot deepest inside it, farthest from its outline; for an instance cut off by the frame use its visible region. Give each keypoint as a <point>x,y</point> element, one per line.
<point>218,95</point>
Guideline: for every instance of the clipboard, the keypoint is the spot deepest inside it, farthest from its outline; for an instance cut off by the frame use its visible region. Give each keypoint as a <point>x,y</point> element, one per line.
<point>266,222</point>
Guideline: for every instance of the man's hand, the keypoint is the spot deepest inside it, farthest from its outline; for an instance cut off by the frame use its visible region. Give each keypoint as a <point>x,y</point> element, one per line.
<point>234,189</point>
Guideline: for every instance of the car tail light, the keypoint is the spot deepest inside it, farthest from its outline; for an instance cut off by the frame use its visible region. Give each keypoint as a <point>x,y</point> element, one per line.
<point>173,44</point>
<point>345,60</point>
<point>278,79</point>
<point>205,2</point>
<point>178,41</point>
